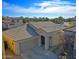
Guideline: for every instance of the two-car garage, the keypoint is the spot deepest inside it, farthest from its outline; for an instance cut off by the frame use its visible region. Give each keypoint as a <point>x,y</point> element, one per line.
<point>28,44</point>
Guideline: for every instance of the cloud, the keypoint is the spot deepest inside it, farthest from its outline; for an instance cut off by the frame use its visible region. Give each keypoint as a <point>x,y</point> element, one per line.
<point>54,3</point>
<point>51,7</point>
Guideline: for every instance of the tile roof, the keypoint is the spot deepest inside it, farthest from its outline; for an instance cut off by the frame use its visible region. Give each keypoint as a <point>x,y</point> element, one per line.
<point>18,33</point>
<point>48,26</point>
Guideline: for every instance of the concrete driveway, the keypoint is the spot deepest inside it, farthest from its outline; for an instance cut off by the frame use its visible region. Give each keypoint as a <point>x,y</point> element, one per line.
<point>38,53</point>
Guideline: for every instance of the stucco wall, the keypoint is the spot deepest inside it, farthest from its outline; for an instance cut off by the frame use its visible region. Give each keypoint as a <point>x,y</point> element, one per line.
<point>56,38</point>
<point>31,30</point>
<point>27,44</point>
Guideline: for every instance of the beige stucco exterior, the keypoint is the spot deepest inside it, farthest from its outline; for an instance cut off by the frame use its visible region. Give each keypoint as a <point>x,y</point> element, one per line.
<point>26,44</point>
<point>57,38</point>
<point>20,40</point>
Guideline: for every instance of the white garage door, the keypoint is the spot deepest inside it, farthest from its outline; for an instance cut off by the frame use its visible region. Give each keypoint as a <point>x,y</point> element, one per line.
<point>28,44</point>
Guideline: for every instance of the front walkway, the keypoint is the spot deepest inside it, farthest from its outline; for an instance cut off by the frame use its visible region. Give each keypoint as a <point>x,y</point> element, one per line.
<point>38,53</point>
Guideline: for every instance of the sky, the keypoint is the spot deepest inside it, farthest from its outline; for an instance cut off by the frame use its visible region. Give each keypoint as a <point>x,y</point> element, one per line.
<point>39,8</point>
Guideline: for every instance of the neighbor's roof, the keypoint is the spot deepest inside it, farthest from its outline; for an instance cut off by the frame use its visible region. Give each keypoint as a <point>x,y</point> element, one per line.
<point>18,33</point>
<point>73,29</point>
<point>48,26</point>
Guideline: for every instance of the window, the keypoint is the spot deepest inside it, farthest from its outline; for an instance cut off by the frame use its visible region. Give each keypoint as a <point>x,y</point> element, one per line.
<point>42,40</point>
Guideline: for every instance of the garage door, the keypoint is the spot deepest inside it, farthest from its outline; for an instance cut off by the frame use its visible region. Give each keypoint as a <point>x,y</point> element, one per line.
<point>27,44</point>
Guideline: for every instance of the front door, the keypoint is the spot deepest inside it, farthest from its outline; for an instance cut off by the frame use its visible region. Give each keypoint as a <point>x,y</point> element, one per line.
<point>42,41</point>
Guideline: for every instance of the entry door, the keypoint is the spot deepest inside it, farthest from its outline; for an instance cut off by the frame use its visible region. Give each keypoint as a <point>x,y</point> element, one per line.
<point>42,41</point>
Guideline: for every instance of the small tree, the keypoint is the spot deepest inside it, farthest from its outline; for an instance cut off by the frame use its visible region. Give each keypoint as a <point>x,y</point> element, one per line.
<point>24,21</point>
<point>60,19</point>
<point>69,19</point>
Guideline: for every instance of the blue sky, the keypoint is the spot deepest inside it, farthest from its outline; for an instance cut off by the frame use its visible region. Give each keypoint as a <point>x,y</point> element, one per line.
<point>39,8</point>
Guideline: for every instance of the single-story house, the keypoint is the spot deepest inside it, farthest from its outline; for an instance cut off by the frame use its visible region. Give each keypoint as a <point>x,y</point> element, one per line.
<point>46,35</point>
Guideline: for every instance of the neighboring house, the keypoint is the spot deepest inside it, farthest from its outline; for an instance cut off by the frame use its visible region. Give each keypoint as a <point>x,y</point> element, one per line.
<point>46,35</point>
<point>11,23</point>
<point>70,42</point>
<point>5,24</point>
